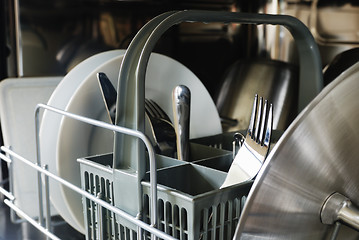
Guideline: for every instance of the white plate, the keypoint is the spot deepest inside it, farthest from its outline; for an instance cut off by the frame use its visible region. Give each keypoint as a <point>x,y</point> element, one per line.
<point>18,98</point>
<point>50,124</point>
<point>76,139</point>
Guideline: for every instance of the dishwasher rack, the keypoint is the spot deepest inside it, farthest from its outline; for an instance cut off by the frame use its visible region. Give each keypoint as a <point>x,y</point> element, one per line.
<point>102,215</point>
<point>103,211</point>
<point>109,218</point>
<point>42,223</point>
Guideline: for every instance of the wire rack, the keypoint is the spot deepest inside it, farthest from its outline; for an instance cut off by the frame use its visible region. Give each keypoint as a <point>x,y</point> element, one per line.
<point>167,210</point>
<point>105,221</point>
<point>43,221</point>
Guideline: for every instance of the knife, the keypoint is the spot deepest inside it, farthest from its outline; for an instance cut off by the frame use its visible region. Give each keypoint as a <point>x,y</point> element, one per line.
<point>109,95</point>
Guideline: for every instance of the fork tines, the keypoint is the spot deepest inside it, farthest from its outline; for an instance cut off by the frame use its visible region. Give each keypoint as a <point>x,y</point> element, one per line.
<point>148,108</point>
<point>155,110</point>
<point>260,125</point>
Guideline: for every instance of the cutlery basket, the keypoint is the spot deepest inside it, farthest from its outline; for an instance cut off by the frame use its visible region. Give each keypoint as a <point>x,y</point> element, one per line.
<point>190,203</point>
<point>185,211</point>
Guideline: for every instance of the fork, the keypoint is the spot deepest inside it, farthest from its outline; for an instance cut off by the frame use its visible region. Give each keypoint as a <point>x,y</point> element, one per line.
<point>255,148</point>
<point>164,136</point>
<point>162,129</point>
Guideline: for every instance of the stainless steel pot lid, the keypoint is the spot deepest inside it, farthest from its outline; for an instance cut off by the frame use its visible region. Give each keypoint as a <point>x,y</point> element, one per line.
<point>316,156</point>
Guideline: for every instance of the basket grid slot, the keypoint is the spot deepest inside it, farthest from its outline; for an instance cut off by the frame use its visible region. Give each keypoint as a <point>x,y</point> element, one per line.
<point>172,219</point>
<point>215,222</point>
<point>100,186</point>
<point>216,145</point>
<point>220,221</point>
<point>127,233</point>
<point>96,185</point>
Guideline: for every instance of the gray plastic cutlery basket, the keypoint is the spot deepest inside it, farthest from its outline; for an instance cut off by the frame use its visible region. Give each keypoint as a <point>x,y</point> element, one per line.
<point>190,203</point>
<point>187,200</point>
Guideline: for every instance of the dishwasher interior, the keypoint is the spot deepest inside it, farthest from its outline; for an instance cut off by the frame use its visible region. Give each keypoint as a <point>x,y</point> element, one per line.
<point>49,53</point>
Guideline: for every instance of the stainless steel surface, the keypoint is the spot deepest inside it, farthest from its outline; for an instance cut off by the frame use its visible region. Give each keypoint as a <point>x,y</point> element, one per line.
<point>334,25</point>
<point>31,220</point>
<point>315,157</point>
<point>339,208</point>
<point>19,53</point>
<point>181,100</point>
<point>162,129</point>
<point>254,150</point>
<point>22,229</point>
<point>237,142</point>
<point>272,37</point>
<point>274,80</point>
<point>342,29</point>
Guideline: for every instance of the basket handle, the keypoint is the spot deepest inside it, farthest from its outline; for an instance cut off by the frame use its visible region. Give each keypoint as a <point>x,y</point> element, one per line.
<point>131,87</point>
<point>132,187</point>
<point>132,55</point>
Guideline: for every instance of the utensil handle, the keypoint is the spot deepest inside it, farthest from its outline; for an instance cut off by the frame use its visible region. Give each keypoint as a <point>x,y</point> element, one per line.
<point>181,100</point>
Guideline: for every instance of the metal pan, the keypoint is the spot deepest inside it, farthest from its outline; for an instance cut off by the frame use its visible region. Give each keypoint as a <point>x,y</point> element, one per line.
<point>316,157</point>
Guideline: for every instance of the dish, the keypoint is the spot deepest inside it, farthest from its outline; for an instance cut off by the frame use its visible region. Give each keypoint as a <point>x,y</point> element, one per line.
<point>49,128</point>
<point>75,139</point>
<point>19,132</point>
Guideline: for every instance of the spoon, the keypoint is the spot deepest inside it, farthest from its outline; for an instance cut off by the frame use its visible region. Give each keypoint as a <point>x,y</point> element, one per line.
<point>181,100</point>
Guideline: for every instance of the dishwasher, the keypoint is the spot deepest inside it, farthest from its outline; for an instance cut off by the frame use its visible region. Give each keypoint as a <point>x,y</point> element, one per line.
<point>83,175</point>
